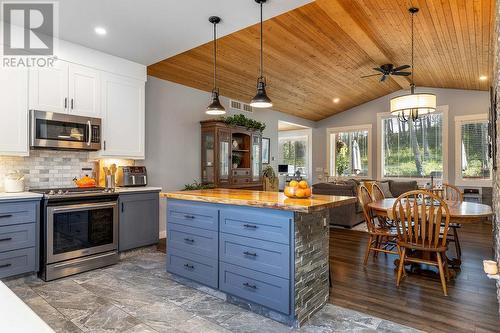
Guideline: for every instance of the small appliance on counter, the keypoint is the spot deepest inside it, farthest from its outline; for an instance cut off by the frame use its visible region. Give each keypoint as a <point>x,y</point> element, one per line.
<point>14,182</point>
<point>127,176</point>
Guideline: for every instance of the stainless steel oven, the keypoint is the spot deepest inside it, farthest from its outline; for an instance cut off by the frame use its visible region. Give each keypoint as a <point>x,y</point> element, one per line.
<point>79,231</point>
<point>64,131</point>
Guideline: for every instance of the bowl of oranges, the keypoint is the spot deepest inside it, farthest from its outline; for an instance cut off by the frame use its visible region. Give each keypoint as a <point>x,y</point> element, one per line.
<point>298,189</point>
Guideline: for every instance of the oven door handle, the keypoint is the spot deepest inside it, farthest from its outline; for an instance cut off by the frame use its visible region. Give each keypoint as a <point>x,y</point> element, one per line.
<point>78,207</point>
<point>90,133</point>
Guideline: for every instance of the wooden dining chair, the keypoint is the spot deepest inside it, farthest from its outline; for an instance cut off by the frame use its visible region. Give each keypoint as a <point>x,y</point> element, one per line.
<point>419,216</point>
<point>377,193</point>
<point>381,238</point>
<point>452,193</point>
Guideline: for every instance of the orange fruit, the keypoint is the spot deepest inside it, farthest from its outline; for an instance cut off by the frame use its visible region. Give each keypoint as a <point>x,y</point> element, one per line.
<point>303,184</point>
<point>307,192</point>
<point>293,183</point>
<point>300,193</point>
<point>290,191</point>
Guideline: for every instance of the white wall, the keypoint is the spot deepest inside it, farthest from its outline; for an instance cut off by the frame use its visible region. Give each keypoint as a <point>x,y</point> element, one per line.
<point>460,102</point>
<point>173,140</point>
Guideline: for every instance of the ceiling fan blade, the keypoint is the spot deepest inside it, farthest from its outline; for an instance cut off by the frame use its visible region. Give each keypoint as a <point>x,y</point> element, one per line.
<point>378,69</point>
<point>401,73</point>
<point>382,79</point>
<point>370,75</point>
<point>400,68</point>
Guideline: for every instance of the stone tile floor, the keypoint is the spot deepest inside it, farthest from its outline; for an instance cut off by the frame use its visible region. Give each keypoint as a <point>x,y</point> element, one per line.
<point>137,295</point>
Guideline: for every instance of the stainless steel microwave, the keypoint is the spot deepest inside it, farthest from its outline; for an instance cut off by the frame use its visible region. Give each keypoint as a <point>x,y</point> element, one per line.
<point>64,131</point>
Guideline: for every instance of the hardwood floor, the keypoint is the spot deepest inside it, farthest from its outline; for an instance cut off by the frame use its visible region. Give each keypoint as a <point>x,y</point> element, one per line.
<point>419,302</point>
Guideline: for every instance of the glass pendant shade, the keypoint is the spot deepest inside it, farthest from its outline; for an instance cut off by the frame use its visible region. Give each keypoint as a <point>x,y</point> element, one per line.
<point>413,105</point>
<point>215,108</point>
<point>261,100</point>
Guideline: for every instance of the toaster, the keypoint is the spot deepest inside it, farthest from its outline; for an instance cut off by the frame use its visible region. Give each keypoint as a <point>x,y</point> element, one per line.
<point>131,176</point>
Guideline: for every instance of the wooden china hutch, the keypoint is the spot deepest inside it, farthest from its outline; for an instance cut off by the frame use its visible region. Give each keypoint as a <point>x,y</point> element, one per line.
<point>231,156</point>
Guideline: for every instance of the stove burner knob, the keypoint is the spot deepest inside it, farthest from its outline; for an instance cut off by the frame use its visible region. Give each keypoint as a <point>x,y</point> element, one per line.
<point>51,192</point>
<point>66,192</point>
<point>60,192</point>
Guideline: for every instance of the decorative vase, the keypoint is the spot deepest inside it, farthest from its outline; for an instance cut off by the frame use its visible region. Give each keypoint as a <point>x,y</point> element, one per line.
<point>235,166</point>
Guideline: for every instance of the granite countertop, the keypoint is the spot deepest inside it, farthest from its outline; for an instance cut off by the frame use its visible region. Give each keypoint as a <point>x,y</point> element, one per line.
<point>19,195</point>
<point>273,200</point>
<point>137,189</point>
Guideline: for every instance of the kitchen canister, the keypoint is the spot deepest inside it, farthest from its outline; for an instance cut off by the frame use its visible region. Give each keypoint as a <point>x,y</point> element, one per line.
<point>13,182</point>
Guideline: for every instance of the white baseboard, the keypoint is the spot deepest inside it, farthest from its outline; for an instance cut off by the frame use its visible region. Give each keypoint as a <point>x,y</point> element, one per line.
<point>163,234</point>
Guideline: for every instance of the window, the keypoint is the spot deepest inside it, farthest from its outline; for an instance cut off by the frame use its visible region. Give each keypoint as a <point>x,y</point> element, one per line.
<point>293,151</point>
<point>413,149</point>
<point>349,151</point>
<point>472,165</point>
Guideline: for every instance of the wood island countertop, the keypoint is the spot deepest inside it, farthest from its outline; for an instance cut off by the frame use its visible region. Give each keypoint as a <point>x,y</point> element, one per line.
<point>272,200</point>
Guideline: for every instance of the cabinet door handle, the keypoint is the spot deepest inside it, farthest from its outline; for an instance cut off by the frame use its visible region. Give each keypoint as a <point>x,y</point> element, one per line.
<point>253,254</point>
<point>5,216</point>
<point>5,265</point>
<point>65,103</point>
<point>189,240</point>
<point>72,104</point>
<point>5,239</point>
<point>188,266</point>
<point>248,285</point>
<point>250,226</point>
<point>104,144</point>
<point>189,216</point>
<point>123,208</point>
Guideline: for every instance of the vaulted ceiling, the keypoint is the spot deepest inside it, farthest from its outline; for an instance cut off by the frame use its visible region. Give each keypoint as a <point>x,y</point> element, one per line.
<point>318,52</point>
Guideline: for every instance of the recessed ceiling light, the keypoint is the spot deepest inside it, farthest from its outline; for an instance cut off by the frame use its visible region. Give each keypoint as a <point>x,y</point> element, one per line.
<point>336,100</point>
<point>483,78</point>
<point>100,31</point>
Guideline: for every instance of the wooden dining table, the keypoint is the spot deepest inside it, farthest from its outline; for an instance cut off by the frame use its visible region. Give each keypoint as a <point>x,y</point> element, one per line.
<point>460,213</point>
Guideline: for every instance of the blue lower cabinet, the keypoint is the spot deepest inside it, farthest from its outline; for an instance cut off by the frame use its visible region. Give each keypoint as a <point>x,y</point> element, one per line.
<point>17,262</point>
<point>265,224</point>
<point>264,289</point>
<point>195,267</point>
<point>259,255</point>
<point>199,215</point>
<point>193,240</point>
<point>17,236</point>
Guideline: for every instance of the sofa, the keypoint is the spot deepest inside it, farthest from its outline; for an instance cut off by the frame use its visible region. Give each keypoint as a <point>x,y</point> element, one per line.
<point>351,215</point>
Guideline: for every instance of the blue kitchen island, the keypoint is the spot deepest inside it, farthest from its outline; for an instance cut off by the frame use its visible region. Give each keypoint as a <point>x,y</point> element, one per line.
<point>263,251</point>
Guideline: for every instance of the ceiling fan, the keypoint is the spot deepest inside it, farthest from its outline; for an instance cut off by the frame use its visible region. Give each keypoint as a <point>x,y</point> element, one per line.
<point>388,69</point>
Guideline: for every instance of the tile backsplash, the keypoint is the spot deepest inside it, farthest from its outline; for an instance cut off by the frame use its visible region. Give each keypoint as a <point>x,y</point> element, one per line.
<point>47,168</point>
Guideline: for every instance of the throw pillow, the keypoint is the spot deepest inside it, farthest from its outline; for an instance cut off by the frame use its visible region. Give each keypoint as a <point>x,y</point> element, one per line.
<point>384,186</point>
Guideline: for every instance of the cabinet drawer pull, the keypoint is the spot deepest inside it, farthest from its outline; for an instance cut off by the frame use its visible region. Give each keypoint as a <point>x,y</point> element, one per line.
<point>5,265</point>
<point>5,216</point>
<point>189,216</point>
<point>248,285</point>
<point>188,266</point>
<point>250,226</point>
<point>253,254</point>
<point>189,240</point>
<point>5,239</point>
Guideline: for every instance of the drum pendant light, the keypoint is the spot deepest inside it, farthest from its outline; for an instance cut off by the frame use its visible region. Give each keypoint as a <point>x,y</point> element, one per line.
<point>215,107</point>
<point>413,105</point>
<point>261,100</point>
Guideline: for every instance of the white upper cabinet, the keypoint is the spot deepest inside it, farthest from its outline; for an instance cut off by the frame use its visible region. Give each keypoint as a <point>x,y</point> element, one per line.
<point>84,91</point>
<point>65,88</point>
<point>14,112</point>
<point>123,113</point>
<point>49,88</point>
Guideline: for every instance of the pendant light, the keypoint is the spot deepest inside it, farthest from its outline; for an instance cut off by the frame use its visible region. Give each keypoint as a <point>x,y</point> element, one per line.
<point>215,107</point>
<point>413,105</point>
<point>261,100</point>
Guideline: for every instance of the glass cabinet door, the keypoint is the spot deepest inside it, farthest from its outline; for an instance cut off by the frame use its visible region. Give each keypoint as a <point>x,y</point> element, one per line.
<point>224,155</point>
<point>256,158</point>
<point>207,157</point>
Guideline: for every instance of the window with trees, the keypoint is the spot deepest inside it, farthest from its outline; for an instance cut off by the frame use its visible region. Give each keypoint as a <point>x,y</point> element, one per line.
<point>349,151</point>
<point>472,163</point>
<point>293,151</point>
<point>412,149</point>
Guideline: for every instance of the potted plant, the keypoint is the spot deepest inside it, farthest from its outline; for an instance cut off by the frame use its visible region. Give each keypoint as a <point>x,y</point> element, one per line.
<point>270,181</point>
<point>236,159</point>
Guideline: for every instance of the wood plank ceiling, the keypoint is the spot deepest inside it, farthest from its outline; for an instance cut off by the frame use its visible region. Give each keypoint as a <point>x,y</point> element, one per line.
<point>318,52</point>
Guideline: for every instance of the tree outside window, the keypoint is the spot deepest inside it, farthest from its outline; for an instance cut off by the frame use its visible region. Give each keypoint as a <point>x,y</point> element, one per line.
<point>349,153</point>
<point>293,152</point>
